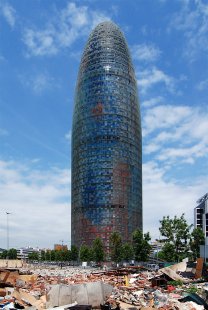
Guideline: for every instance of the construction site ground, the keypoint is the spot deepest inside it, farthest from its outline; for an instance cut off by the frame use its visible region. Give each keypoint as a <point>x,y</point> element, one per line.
<point>44,287</point>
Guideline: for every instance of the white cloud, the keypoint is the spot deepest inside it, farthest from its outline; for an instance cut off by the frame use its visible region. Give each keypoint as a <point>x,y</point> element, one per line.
<point>39,82</point>
<point>40,42</point>
<point>150,77</point>
<point>164,116</point>
<point>175,133</point>
<point>202,85</point>
<point>76,55</point>
<point>183,154</point>
<point>8,12</point>
<point>152,102</point>
<point>151,147</point>
<point>162,198</point>
<point>145,52</point>
<point>42,82</point>
<point>70,24</point>
<point>38,202</point>
<point>192,20</point>
<point>68,136</point>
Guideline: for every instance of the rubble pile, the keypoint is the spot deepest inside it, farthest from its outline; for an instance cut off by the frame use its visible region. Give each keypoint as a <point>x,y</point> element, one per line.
<point>45,287</point>
<point>152,299</point>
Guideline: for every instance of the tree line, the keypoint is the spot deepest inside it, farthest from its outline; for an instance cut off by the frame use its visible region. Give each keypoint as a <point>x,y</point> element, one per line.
<point>178,240</point>
<point>138,249</point>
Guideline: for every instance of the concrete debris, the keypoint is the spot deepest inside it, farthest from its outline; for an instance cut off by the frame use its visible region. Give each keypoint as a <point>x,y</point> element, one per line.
<point>64,307</point>
<point>93,293</point>
<point>11,263</point>
<point>194,298</point>
<point>173,275</point>
<point>37,287</point>
<point>179,267</point>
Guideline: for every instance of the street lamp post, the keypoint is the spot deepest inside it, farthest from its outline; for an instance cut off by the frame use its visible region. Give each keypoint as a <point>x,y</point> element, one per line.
<point>62,245</point>
<point>7,213</point>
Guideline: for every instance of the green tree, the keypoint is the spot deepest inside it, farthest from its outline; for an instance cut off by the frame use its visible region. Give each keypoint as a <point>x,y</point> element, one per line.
<point>167,253</point>
<point>85,253</point>
<point>33,256</point>
<point>66,254</point>
<point>48,255</point>
<point>196,239</point>
<point>53,255</point>
<point>98,250</point>
<point>43,255</point>
<point>127,251</point>
<point>4,254</point>
<point>74,253</point>
<point>177,233</point>
<point>12,253</point>
<point>59,255</point>
<point>141,245</point>
<point>116,247</point>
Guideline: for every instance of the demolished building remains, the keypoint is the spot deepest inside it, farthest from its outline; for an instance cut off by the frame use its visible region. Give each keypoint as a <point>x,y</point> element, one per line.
<point>46,287</point>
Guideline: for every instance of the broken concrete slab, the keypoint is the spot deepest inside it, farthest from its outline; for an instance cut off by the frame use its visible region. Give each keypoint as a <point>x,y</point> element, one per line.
<point>64,307</point>
<point>173,275</point>
<point>26,297</point>
<point>179,267</point>
<point>93,293</point>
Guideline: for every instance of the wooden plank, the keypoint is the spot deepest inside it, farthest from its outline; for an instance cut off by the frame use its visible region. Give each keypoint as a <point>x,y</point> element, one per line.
<point>199,267</point>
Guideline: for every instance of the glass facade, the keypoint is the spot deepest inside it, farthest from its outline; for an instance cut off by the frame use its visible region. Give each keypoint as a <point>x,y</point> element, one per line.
<point>106,141</point>
<point>201,214</point>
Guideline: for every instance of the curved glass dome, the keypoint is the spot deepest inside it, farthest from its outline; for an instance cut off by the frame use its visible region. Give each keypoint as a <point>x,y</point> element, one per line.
<point>106,141</point>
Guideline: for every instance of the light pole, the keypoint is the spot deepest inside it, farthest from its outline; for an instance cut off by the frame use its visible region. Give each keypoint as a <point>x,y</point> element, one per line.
<point>7,213</point>
<point>62,248</point>
<point>158,248</point>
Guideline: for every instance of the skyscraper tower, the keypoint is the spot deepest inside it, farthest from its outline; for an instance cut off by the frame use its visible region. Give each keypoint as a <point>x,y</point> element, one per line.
<point>106,141</point>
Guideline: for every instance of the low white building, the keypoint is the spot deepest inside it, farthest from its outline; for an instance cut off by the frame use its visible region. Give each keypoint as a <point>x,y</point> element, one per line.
<point>22,253</point>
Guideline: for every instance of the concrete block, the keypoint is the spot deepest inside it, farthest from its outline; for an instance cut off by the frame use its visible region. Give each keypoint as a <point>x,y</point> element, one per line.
<point>91,293</point>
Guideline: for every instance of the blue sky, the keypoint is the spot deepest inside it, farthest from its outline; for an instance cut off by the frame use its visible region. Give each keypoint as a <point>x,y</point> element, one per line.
<point>41,43</point>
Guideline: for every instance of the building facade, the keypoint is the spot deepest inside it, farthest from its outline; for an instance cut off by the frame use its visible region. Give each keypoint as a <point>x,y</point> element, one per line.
<point>23,253</point>
<point>106,141</point>
<point>201,221</point>
<point>201,214</point>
